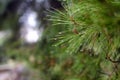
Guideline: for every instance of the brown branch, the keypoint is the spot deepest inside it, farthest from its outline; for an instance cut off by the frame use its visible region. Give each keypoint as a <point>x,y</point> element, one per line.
<point>73,20</point>
<point>113,61</point>
<point>110,42</point>
<point>75,31</point>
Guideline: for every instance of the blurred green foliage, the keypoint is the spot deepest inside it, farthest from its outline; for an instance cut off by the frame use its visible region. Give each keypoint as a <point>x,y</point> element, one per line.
<point>63,54</point>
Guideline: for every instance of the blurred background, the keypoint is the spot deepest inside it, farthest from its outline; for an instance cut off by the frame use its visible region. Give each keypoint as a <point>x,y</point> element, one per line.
<point>26,49</point>
<point>30,29</point>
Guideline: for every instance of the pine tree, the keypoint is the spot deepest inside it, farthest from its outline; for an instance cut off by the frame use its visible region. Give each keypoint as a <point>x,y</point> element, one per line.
<point>85,35</point>
<point>90,39</point>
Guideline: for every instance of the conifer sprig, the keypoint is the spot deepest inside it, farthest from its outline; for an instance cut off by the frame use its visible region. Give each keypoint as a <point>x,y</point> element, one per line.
<point>89,27</point>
